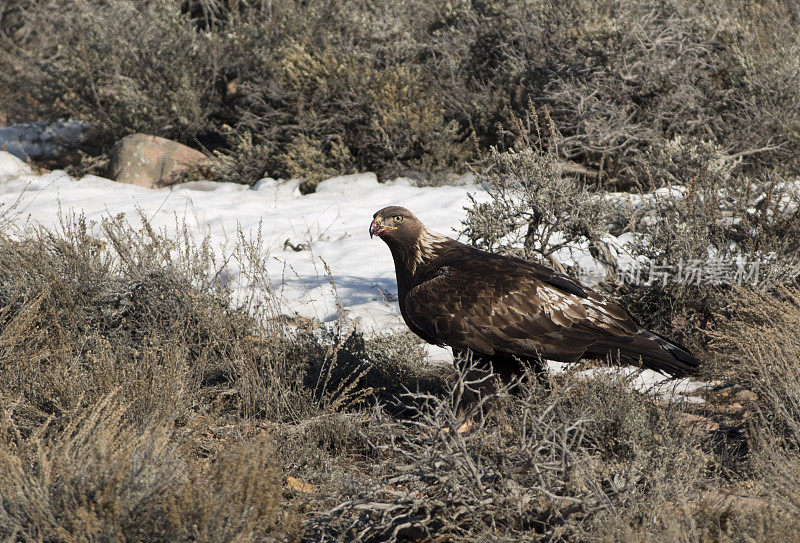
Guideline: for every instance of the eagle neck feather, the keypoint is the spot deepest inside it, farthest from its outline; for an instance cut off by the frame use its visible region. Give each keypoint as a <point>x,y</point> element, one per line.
<point>410,256</point>
<point>424,250</point>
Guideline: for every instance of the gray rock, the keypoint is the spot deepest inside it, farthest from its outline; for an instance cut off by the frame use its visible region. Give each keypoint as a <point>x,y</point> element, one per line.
<point>150,161</point>
<point>42,139</point>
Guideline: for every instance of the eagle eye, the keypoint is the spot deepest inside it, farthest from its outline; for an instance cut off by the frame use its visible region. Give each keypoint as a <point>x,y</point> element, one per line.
<point>398,218</point>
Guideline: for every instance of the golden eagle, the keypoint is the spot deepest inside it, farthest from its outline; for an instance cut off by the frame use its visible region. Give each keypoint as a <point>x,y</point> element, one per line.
<point>507,310</point>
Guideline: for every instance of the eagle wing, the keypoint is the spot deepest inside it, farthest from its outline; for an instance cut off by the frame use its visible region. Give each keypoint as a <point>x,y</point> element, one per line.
<point>503,305</point>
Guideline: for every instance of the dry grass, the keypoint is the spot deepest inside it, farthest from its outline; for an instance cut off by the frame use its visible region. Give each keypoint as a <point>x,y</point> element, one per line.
<point>760,342</point>
<point>101,477</point>
<point>139,404</point>
<point>762,348</point>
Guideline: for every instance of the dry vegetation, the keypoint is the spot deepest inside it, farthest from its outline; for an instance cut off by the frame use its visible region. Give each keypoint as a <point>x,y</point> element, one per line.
<point>139,404</point>
<point>311,88</point>
<point>709,215</point>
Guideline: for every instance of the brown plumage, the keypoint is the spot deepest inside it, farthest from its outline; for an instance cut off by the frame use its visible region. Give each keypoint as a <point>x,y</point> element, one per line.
<point>506,309</point>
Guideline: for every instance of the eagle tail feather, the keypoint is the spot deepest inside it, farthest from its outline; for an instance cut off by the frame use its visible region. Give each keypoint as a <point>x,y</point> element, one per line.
<point>655,352</point>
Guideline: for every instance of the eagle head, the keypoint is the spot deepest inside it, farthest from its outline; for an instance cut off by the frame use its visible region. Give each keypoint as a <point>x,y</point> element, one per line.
<point>406,236</point>
<point>396,226</point>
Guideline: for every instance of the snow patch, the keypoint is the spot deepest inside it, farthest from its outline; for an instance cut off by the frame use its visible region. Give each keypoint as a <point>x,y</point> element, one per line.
<point>11,167</point>
<point>306,237</point>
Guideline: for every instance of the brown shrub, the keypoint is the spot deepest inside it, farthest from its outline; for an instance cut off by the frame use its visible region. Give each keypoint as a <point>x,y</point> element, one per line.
<point>536,208</point>
<point>587,459</point>
<point>759,339</point>
<point>719,231</point>
<point>712,228</point>
<point>126,67</point>
<point>101,477</point>
<point>138,404</point>
<point>138,311</point>
<point>409,87</point>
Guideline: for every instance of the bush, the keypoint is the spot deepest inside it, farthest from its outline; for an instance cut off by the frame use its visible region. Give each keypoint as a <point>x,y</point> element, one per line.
<point>84,316</point>
<point>312,88</point>
<point>536,208</point>
<point>136,402</point>
<point>620,77</point>
<point>759,338</point>
<point>585,459</point>
<point>124,67</point>
<point>103,478</point>
<point>136,399</point>
<point>347,368</point>
<point>718,230</point>
<point>710,227</point>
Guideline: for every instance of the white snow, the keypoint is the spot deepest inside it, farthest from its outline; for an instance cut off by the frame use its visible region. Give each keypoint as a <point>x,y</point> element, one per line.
<point>331,224</point>
<point>654,384</point>
<point>12,167</point>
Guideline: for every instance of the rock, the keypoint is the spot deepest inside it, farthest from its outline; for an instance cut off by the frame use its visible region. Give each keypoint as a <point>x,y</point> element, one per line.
<point>698,424</point>
<point>42,139</point>
<point>300,486</point>
<point>150,161</point>
<point>745,396</point>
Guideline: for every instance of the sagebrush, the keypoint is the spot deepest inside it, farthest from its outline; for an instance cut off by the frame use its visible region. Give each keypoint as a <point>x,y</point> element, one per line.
<point>138,402</point>
<point>312,89</point>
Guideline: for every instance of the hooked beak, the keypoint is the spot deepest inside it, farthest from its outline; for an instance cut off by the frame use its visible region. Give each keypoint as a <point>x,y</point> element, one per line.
<point>376,228</point>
